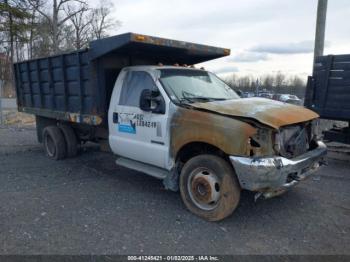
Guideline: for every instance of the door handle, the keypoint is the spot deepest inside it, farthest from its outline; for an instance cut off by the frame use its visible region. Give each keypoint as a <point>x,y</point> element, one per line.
<point>115,117</point>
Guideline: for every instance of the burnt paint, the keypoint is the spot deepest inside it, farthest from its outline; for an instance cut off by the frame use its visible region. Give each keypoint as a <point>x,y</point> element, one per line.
<point>266,111</point>
<point>229,135</point>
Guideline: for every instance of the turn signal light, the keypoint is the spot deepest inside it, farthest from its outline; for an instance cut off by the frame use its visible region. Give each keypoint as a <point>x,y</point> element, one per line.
<point>140,38</point>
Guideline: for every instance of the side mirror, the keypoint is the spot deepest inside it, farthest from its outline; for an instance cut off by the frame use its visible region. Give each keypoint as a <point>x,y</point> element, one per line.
<point>152,101</point>
<point>145,100</point>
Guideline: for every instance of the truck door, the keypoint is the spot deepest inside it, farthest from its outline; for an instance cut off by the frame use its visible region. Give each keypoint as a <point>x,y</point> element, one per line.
<point>137,134</point>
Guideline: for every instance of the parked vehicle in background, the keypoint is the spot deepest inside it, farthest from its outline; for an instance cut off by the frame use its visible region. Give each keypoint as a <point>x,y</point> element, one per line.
<point>265,95</point>
<point>287,98</point>
<point>247,94</point>
<point>182,125</point>
<point>328,93</point>
<point>276,97</point>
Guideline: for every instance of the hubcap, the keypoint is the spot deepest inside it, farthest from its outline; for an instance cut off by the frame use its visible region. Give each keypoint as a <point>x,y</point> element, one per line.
<point>204,188</point>
<point>50,146</point>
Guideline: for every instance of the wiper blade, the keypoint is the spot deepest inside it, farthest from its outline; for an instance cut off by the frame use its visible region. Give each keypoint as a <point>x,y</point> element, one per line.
<point>194,99</point>
<point>207,99</point>
<point>199,99</point>
<point>217,98</point>
<point>186,99</point>
<point>191,98</point>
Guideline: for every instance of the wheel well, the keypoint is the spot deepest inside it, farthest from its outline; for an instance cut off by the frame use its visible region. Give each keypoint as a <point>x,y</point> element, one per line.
<point>197,148</point>
<point>41,123</point>
<point>83,132</point>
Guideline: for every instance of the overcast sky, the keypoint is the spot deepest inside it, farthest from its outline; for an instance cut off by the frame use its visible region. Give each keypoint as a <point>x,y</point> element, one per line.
<point>264,36</point>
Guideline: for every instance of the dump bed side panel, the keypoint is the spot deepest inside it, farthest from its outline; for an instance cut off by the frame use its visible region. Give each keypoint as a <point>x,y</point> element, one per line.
<point>328,90</point>
<point>58,87</point>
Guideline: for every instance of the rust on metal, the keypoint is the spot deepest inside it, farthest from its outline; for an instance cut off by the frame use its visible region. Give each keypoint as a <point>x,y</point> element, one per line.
<point>208,123</point>
<point>179,44</point>
<point>271,113</point>
<point>201,190</point>
<point>64,116</point>
<point>190,125</point>
<point>85,119</point>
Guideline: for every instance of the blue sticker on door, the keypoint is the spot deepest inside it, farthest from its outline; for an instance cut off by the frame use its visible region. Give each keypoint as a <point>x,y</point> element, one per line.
<point>127,129</point>
<point>127,123</point>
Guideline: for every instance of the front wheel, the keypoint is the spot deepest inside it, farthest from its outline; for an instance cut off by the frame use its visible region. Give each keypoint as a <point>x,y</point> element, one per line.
<point>209,187</point>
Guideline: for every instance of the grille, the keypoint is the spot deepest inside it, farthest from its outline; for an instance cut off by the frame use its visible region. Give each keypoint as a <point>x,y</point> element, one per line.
<point>294,141</point>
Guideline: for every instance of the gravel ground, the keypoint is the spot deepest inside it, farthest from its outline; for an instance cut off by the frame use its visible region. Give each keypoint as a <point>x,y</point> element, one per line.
<point>88,205</point>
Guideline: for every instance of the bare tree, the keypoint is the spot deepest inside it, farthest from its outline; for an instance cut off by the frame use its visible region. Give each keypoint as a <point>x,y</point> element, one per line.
<point>232,80</point>
<point>279,79</point>
<point>296,81</point>
<point>81,22</point>
<point>41,45</point>
<point>10,17</point>
<point>101,21</point>
<point>244,82</point>
<point>267,81</point>
<point>33,27</point>
<point>55,19</point>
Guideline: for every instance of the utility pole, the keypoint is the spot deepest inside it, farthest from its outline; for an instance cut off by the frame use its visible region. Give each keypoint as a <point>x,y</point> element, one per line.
<point>320,28</point>
<point>1,116</point>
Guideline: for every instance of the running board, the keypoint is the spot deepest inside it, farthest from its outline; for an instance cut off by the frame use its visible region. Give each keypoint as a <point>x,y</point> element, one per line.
<point>142,167</point>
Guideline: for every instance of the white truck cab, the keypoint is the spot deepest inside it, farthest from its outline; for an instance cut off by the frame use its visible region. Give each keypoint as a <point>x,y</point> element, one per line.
<point>189,128</point>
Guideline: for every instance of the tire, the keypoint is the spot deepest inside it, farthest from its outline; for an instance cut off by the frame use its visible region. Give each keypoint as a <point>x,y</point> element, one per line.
<point>54,143</point>
<point>209,187</point>
<point>70,139</point>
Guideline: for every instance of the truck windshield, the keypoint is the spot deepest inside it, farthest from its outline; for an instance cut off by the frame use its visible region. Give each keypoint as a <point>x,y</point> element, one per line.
<point>186,85</point>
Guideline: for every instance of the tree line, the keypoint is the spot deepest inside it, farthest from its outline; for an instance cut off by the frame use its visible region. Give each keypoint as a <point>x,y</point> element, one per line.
<point>278,83</point>
<point>37,28</point>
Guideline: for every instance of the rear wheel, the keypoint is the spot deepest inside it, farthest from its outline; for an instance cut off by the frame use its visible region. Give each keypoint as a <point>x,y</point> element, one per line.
<point>209,187</point>
<point>54,143</point>
<point>70,139</point>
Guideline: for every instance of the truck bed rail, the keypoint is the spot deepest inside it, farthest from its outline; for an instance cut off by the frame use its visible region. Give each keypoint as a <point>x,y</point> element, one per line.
<point>328,90</point>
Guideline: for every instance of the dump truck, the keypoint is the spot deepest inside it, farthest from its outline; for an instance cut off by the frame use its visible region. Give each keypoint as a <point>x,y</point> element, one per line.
<point>164,117</point>
<point>328,93</point>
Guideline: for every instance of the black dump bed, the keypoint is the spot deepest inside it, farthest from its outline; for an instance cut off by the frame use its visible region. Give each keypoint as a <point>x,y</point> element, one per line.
<point>77,86</point>
<point>328,90</point>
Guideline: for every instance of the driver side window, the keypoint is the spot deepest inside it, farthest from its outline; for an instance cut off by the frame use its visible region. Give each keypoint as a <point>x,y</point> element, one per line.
<point>134,83</point>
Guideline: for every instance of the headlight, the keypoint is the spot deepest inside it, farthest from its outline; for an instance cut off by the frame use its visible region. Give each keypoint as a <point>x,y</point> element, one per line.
<point>316,131</point>
<point>261,143</point>
<point>277,142</point>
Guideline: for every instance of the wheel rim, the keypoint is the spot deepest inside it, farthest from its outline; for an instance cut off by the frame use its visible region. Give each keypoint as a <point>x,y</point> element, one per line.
<point>50,146</point>
<point>204,188</point>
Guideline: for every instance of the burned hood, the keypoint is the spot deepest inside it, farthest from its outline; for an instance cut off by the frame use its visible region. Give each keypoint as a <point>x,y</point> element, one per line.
<point>265,111</point>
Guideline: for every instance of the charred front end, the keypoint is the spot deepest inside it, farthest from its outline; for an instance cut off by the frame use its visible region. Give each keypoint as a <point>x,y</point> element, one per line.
<point>297,154</point>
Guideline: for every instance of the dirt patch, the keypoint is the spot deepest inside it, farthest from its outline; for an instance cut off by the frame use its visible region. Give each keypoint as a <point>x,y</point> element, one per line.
<point>15,118</point>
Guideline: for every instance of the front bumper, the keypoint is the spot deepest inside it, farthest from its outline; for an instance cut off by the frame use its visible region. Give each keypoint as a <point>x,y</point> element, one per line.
<point>272,176</point>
